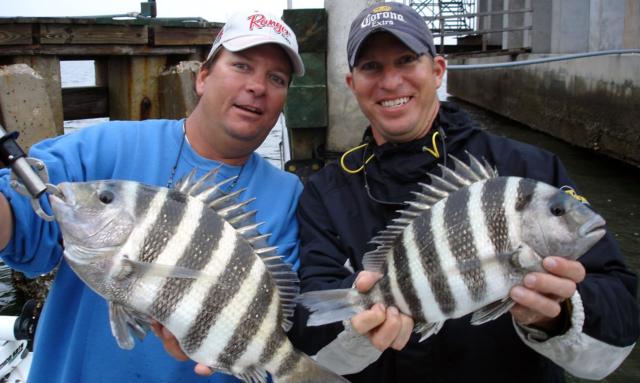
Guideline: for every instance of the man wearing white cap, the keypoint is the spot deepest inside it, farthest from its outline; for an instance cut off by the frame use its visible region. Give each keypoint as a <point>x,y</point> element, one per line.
<point>242,87</point>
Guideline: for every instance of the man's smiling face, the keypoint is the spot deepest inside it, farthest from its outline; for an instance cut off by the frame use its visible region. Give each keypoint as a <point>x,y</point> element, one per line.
<point>396,88</point>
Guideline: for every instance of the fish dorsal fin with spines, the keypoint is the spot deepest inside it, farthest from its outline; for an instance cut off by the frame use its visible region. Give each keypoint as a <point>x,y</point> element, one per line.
<point>227,206</point>
<point>428,195</point>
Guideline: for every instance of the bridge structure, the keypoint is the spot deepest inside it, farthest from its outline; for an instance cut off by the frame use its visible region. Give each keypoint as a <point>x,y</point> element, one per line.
<point>476,25</point>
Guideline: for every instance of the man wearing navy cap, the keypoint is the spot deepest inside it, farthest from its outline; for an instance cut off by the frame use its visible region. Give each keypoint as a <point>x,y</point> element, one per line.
<point>579,316</point>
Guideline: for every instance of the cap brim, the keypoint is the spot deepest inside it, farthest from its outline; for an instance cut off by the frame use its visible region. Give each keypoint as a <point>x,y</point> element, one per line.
<point>245,42</point>
<point>408,40</point>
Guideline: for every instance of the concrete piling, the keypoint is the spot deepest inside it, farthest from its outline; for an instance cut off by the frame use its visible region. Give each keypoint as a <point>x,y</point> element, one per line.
<point>25,105</point>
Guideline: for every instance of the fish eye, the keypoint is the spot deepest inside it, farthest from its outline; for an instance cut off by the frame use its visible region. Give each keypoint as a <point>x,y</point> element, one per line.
<point>557,210</point>
<point>106,197</point>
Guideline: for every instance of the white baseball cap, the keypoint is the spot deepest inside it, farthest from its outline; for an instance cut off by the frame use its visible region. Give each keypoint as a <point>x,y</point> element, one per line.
<point>249,29</point>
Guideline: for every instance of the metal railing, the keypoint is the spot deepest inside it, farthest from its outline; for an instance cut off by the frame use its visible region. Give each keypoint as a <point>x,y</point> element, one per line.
<point>462,18</point>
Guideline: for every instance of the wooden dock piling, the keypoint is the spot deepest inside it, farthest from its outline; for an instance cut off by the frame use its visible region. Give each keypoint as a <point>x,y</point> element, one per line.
<point>130,57</point>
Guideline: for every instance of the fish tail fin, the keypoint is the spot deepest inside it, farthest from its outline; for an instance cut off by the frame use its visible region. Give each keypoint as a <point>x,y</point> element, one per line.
<point>328,306</point>
<point>307,370</point>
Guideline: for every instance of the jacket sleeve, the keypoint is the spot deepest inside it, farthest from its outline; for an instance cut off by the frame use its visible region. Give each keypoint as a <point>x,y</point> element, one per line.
<point>604,322</point>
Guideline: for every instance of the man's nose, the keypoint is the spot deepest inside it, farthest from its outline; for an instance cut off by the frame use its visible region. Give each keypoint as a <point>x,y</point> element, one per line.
<point>257,84</point>
<point>391,78</point>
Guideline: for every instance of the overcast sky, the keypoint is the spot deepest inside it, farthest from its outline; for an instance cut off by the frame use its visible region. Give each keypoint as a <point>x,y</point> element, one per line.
<point>211,10</point>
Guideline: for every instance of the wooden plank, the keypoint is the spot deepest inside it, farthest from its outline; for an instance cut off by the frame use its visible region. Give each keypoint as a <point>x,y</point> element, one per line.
<point>93,34</point>
<point>97,50</point>
<point>182,22</point>
<point>184,36</point>
<point>15,34</point>
<point>85,102</point>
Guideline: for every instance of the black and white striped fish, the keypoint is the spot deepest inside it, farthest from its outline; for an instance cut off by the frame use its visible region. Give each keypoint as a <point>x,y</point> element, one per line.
<point>461,245</point>
<point>192,259</point>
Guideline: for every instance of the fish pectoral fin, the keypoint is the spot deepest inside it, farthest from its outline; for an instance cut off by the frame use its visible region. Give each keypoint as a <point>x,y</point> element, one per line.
<point>491,311</point>
<point>82,255</point>
<point>525,258</point>
<point>126,322</point>
<point>253,374</point>
<point>427,329</point>
<point>159,270</point>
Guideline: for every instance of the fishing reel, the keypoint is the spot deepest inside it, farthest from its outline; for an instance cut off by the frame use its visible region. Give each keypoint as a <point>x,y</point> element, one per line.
<point>29,176</point>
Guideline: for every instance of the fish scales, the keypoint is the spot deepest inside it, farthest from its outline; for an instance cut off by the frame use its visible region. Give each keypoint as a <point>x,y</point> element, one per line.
<point>449,286</point>
<point>466,240</point>
<point>199,253</point>
<point>218,298</point>
<point>488,224</point>
<point>252,319</point>
<point>220,333</point>
<point>151,249</point>
<point>162,229</point>
<point>175,213</point>
<point>401,283</point>
<point>458,224</point>
<point>510,199</point>
<point>162,254</point>
<point>492,203</point>
<point>183,317</point>
<point>416,287</point>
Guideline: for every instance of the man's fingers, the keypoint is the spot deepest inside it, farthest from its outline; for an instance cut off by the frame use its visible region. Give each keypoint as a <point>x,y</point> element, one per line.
<point>525,316</point>
<point>565,268</point>
<point>365,280</point>
<point>169,342</point>
<point>383,336</point>
<point>533,301</point>
<point>550,285</point>
<point>203,370</point>
<point>404,334</point>
<point>367,320</point>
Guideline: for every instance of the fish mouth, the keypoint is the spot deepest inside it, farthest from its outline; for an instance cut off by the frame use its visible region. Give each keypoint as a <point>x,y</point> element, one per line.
<point>65,197</point>
<point>594,227</point>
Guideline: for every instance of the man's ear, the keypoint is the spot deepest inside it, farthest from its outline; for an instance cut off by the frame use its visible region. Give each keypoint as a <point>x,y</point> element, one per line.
<point>200,81</point>
<point>439,68</point>
<point>349,80</point>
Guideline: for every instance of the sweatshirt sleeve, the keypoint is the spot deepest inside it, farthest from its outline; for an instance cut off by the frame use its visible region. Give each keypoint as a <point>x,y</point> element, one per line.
<point>287,239</point>
<point>35,248</point>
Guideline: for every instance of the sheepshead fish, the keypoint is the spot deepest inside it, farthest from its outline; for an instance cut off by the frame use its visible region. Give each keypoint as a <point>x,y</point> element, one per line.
<point>461,245</point>
<point>192,259</point>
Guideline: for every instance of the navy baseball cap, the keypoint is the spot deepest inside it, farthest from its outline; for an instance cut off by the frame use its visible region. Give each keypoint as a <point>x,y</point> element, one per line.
<point>400,20</point>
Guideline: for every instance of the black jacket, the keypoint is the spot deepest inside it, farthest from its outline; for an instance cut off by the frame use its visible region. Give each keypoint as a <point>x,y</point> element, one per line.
<point>338,218</point>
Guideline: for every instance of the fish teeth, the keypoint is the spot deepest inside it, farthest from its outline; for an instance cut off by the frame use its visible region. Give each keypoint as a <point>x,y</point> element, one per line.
<point>395,102</point>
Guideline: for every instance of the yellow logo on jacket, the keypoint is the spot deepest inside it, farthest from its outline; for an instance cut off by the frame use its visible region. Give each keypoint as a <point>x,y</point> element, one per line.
<point>572,192</point>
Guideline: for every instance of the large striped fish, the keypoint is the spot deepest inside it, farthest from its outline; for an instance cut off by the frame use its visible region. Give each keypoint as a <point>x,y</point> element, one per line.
<point>461,245</point>
<point>192,259</point>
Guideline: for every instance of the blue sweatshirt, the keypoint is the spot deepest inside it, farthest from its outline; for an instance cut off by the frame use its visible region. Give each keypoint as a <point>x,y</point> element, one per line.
<point>73,339</point>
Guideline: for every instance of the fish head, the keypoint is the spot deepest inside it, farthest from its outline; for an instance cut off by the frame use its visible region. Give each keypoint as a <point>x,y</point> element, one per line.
<point>96,219</point>
<point>556,224</point>
<point>94,216</point>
